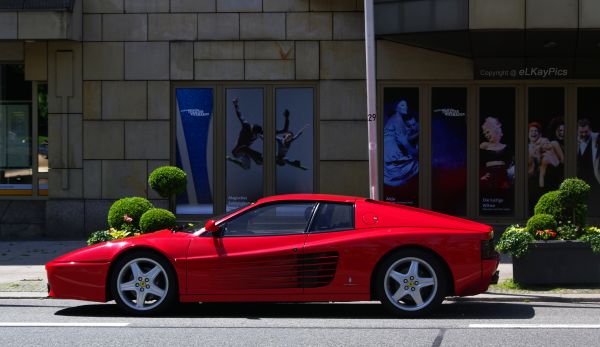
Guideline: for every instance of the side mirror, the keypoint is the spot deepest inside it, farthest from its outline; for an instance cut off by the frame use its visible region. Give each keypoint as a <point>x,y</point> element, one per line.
<point>211,226</point>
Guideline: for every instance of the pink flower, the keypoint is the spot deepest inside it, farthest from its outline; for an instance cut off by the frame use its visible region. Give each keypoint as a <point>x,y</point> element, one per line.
<point>127,219</point>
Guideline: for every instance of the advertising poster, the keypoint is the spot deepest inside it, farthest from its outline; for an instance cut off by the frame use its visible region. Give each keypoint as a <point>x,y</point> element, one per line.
<point>245,146</point>
<point>401,145</point>
<point>545,145</point>
<point>195,149</point>
<point>449,150</point>
<point>496,151</point>
<point>294,140</point>
<point>588,144</point>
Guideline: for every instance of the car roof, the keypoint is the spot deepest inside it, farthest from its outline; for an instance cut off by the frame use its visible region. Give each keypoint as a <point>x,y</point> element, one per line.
<point>318,197</point>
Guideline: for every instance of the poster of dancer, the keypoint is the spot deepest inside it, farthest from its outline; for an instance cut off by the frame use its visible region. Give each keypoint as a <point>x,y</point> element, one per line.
<point>294,114</point>
<point>401,145</point>
<point>244,146</point>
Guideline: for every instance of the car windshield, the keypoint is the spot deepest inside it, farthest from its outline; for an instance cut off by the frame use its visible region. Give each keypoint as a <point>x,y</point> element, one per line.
<point>196,226</point>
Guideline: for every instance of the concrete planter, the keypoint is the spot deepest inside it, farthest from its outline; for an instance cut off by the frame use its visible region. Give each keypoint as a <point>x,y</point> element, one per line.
<point>558,263</point>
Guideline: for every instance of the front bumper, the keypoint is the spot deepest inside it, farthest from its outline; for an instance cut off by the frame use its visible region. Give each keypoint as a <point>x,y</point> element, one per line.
<point>77,280</point>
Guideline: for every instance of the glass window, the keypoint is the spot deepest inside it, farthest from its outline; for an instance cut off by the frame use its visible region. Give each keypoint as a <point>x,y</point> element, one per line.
<point>588,149</point>
<point>333,217</point>
<point>546,148</point>
<point>449,150</point>
<point>401,145</point>
<point>15,131</point>
<point>245,148</point>
<point>496,151</point>
<point>294,140</point>
<point>194,149</point>
<point>271,220</point>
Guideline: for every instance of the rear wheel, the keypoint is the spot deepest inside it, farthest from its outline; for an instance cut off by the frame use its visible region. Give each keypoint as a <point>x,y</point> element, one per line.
<point>144,284</point>
<point>411,283</point>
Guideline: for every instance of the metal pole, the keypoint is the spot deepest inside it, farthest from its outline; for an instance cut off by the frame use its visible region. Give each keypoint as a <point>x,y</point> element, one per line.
<point>371,100</point>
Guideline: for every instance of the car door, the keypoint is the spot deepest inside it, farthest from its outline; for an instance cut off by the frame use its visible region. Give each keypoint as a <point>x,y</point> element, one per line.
<point>256,252</point>
<point>334,252</point>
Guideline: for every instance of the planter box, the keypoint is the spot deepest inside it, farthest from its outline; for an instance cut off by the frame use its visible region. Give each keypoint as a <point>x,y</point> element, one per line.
<point>558,263</point>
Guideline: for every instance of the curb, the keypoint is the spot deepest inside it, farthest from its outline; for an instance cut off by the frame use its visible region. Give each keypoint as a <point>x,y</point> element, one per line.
<point>507,297</point>
<point>23,295</point>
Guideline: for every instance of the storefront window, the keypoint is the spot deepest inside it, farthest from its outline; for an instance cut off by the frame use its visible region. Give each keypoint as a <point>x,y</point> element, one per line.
<point>588,149</point>
<point>546,148</point>
<point>449,150</point>
<point>294,140</point>
<point>496,151</point>
<point>401,145</point>
<point>195,149</point>
<point>42,108</point>
<point>15,131</point>
<point>245,146</point>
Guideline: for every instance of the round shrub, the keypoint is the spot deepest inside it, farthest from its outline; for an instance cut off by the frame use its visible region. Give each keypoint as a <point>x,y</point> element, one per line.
<point>550,203</point>
<point>540,222</point>
<point>157,219</point>
<point>133,207</point>
<point>168,180</point>
<point>574,191</point>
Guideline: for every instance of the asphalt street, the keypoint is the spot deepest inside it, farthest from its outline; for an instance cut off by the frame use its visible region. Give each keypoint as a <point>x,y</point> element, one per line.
<point>27,322</point>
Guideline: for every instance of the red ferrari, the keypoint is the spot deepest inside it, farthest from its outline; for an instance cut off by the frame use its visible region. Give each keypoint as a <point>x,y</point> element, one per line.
<point>289,248</point>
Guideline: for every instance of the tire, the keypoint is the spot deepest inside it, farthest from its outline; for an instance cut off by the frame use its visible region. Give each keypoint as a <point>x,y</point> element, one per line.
<point>144,284</point>
<point>411,283</point>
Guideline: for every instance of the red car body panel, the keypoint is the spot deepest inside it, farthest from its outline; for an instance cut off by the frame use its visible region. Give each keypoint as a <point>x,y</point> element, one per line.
<point>327,266</point>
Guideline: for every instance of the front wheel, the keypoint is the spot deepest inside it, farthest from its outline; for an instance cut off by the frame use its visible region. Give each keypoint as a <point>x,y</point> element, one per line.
<point>411,283</point>
<point>144,284</point>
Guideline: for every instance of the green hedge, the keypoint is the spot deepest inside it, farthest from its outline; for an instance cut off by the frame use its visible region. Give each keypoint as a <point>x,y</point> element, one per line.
<point>550,203</point>
<point>168,180</point>
<point>157,219</point>
<point>133,207</point>
<point>540,222</point>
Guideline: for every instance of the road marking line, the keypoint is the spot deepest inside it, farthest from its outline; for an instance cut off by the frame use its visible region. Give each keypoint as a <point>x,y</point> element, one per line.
<point>47,324</point>
<point>534,326</point>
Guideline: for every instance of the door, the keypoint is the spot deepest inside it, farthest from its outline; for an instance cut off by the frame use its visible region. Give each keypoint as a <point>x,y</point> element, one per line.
<point>257,252</point>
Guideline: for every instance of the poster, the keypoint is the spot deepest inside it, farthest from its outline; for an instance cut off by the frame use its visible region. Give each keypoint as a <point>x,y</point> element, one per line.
<point>401,145</point>
<point>496,151</point>
<point>194,149</point>
<point>449,150</point>
<point>545,145</point>
<point>244,146</point>
<point>588,145</point>
<point>294,114</point>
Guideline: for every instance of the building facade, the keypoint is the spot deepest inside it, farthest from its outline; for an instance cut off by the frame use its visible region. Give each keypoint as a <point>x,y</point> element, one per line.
<point>483,105</point>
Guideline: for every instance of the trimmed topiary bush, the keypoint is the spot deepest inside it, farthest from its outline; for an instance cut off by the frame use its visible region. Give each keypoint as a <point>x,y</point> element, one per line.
<point>540,222</point>
<point>157,219</point>
<point>550,203</point>
<point>574,191</point>
<point>168,180</point>
<point>132,207</point>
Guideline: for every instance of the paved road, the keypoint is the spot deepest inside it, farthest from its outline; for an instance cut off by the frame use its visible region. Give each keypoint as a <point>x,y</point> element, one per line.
<point>60,322</point>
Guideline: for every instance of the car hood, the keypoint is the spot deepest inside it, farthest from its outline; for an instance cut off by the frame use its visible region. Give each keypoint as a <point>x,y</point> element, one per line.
<point>164,241</point>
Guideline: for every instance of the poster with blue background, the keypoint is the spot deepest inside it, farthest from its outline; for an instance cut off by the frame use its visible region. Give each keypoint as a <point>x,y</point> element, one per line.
<point>195,149</point>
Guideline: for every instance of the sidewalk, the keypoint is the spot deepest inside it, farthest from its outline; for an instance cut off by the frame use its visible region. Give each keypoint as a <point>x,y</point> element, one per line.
<point>22,274</point>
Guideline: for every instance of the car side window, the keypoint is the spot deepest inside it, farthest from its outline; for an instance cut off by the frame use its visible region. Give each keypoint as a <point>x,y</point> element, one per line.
<point>333,217</point>
<point>271,220</point>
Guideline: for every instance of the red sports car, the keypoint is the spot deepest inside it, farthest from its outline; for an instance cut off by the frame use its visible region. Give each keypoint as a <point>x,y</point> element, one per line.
<point>289,248</point>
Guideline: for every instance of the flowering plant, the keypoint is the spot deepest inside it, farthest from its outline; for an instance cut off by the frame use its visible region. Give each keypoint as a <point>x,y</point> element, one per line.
<point>547,234</point>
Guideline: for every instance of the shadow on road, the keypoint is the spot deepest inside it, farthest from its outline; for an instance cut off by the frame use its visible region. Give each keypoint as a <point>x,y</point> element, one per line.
<point>453,310</point>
